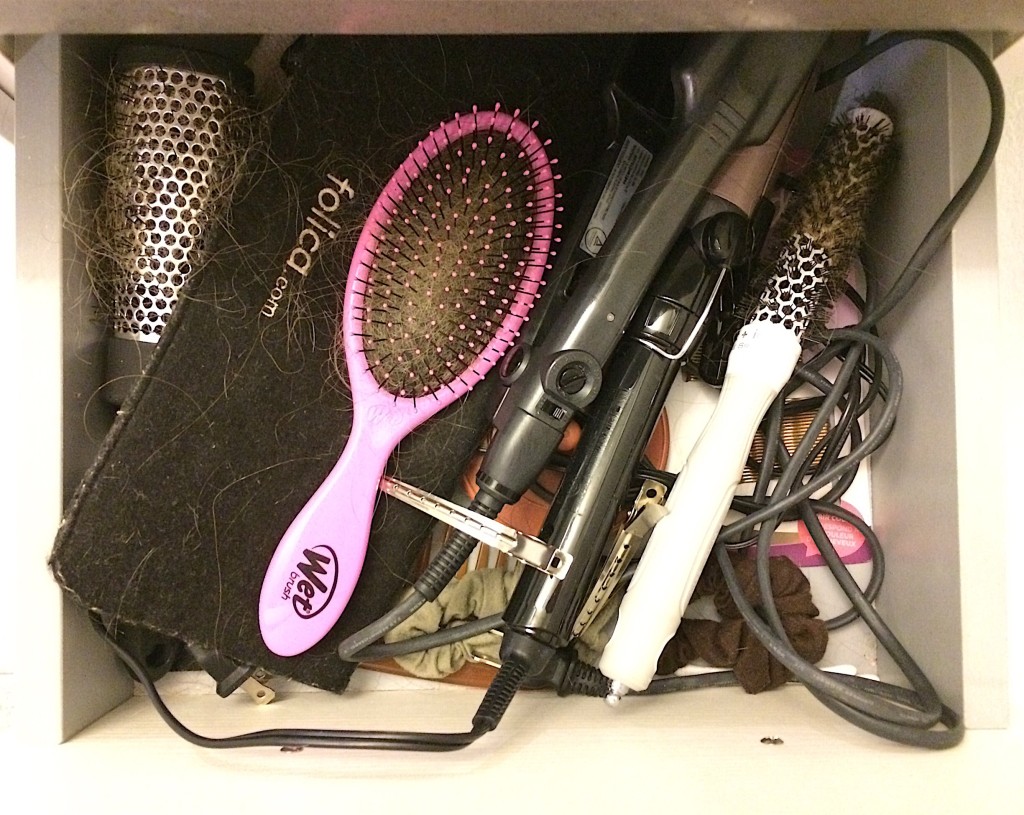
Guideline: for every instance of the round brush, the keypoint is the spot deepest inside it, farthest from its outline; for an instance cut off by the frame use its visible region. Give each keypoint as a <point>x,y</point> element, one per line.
<point>823,231</point>
<point>445,271</point>
<point>178,138</point>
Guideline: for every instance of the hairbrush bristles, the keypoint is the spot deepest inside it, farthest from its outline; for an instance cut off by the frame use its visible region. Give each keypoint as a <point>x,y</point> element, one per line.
<point>459,245</point>
<point>826,222</point>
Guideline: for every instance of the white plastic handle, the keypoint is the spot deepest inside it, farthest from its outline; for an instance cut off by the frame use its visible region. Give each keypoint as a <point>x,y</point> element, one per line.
<point>760,364</point>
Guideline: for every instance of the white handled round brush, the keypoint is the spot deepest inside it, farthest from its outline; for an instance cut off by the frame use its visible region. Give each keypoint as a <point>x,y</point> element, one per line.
<point>824,231</point>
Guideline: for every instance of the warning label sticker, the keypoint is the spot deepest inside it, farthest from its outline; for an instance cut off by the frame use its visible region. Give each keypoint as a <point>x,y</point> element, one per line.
<point>629,170</point>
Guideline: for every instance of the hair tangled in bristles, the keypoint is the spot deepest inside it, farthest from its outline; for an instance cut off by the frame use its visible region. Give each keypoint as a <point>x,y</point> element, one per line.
<point>454,257</point>
<point>824,226</point>
<point>178,143</point>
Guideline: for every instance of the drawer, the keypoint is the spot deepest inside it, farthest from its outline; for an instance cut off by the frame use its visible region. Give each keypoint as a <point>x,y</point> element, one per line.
<point>938,502</point>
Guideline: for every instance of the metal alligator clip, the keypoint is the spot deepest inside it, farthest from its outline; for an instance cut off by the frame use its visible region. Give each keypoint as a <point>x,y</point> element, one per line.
<point>648,509</point>
<point>531,551</point>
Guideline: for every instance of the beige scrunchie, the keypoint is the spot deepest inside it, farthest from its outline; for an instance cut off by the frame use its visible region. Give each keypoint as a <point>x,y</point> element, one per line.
<point>478,594</point>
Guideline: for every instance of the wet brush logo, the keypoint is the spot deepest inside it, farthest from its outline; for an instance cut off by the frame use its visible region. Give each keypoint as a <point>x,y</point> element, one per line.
<point>311,584</point>
<point>319,226</point>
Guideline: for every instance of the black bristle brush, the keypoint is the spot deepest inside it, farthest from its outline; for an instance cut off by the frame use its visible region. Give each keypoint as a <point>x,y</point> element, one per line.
<point>445,271</point>
<point>823,229</point>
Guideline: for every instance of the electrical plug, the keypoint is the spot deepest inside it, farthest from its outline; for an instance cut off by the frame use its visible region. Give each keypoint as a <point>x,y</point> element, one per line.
<point>230,676</point>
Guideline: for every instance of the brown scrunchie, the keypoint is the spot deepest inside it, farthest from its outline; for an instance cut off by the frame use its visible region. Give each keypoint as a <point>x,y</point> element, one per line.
<point>731,644</point>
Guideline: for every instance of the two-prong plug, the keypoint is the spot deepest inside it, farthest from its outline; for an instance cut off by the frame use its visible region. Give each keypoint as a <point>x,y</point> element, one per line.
<point>230,676</point>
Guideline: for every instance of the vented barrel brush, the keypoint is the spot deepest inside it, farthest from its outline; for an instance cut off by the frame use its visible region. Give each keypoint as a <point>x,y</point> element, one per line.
<point>822,233</point>
<point>178,131</point>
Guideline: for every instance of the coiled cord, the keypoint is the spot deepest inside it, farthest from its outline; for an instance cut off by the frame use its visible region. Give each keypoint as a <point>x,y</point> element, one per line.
<point>913,716</point>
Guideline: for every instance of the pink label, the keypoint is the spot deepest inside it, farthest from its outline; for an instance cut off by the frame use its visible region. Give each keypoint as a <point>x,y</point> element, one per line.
<point>848,541</point>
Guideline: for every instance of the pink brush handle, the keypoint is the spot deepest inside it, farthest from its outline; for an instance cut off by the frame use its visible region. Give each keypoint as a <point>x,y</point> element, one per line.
<point>317,563</point>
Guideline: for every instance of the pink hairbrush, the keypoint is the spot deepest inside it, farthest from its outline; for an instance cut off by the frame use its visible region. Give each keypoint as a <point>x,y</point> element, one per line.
<point>446,268</point>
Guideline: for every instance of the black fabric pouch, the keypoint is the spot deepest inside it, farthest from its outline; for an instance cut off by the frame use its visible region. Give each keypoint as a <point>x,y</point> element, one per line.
<point>244,408</point>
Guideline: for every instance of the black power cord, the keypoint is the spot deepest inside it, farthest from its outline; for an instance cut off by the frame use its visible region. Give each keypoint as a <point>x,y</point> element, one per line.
<point>868,705</point>
<point>490,711</point>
